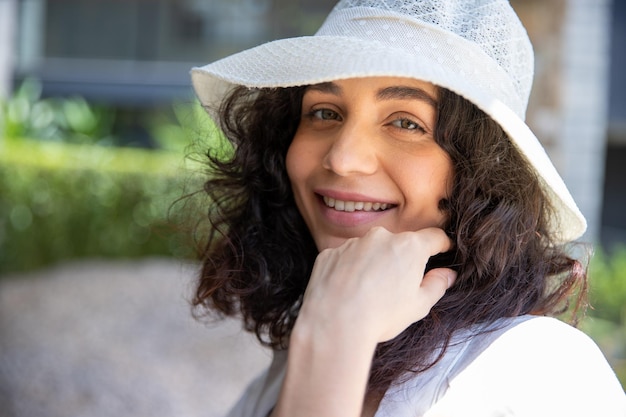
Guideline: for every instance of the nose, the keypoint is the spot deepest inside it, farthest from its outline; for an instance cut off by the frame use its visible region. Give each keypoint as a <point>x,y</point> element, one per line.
<point>352,151</point>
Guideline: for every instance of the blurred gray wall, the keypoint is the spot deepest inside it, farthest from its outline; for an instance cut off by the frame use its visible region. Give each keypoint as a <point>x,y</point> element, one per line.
<point>584,122</point>
<point>8,15</point>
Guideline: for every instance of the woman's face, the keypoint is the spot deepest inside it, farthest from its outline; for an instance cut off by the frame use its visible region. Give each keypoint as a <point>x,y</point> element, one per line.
<point>364,155</point>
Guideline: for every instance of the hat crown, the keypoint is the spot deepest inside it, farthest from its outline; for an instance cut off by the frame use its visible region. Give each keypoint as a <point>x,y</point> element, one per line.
<point>490,26</point>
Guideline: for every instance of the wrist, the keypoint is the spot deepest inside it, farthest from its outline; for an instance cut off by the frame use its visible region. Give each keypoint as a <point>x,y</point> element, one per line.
<point>339,326</point>
<point>323,364</point>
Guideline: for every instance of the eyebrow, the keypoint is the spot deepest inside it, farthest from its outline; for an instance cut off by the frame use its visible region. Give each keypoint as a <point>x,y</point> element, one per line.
<point>405,93</point>
<point>326,87</point>
<point>400,92</point>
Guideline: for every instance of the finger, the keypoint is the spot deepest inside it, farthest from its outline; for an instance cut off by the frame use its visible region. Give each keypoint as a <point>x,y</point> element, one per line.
<point>434,239</point>
<point>435,283</point>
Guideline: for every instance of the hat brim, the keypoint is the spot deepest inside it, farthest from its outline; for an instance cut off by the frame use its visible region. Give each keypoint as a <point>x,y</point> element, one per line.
<point>315,59</point>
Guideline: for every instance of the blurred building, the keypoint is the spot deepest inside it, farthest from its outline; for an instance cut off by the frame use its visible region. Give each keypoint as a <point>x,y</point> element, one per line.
<point>137,54</point>
<point>613,218</point>
<point>140,51</point>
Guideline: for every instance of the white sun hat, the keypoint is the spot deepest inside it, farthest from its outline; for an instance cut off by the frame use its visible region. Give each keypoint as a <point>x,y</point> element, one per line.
<point>475,48</point>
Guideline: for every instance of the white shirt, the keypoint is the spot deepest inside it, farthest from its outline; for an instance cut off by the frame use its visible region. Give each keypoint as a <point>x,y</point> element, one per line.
<point>526,367</point>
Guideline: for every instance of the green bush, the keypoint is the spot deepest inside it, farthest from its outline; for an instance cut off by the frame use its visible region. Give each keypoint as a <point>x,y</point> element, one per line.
<point>63,195</point>
<point>72,119</point>
<point>606,319</point>
<point>26,114</point>
<point>62,201</point>
<point>607,279</point>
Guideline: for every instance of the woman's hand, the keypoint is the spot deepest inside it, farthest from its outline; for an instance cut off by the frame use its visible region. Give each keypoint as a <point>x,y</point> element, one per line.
<point>375,285</point>
<point>364,292</point>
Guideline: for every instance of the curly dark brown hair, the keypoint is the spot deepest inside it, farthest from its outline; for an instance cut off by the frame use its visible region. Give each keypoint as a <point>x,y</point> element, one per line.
<point>258,257</point>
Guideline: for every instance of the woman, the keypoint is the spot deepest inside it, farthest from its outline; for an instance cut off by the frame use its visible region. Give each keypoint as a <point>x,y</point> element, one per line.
<point>390,226</point>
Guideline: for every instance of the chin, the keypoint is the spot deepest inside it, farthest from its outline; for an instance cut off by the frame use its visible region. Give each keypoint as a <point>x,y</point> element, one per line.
<point>329,242</point>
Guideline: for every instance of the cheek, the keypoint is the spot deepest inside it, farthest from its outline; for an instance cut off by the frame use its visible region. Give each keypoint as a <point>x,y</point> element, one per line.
<point>442,174</point>
<point>444,178</point>
<point>297,166</point>
<point>441,186</point>
<point>448,178</point>
<point>300,161</point>
<point>424,184</point>
<point>291,162</point>
<point>429,177</point>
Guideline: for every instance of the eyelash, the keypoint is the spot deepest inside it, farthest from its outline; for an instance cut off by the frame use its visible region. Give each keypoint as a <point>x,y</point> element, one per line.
<point>317,114</point>
<point>402,120</point>
<point>397,123</point>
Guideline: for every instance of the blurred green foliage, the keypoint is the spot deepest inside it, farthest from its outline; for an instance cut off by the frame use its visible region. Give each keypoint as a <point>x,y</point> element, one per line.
<point>606,319</point>
<point>60,201</point>
<point>26,114</point>
<point>607,275</point>
<point>70,120</point>
<point>65,193</point>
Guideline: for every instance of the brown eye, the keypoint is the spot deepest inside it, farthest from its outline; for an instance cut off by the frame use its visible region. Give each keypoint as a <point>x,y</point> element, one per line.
<point>407,124</point>
<point>325,114</point>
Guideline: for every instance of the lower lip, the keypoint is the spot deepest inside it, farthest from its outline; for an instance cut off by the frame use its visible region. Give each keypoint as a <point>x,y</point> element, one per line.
<point>350,218</point>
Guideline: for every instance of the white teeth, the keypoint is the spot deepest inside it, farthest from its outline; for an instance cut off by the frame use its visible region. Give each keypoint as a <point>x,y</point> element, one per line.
<point>350,206</point>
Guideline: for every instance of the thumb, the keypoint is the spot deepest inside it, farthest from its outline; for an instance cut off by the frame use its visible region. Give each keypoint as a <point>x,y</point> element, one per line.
<point>436,282</point>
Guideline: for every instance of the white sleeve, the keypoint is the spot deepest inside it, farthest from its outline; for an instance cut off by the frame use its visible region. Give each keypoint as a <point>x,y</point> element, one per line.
<point>539,368</point>
<point>261,395</point>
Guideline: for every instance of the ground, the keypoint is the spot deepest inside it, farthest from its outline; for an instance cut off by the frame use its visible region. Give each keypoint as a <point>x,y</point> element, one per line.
<point>101,338</point>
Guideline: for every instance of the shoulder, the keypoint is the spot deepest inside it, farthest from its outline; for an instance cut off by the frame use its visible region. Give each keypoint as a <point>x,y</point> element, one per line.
<point>539,367</point>
<point>545,339</point>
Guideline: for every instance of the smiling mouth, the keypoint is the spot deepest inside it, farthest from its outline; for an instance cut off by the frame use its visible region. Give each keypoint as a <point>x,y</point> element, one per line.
<point>341,205</point>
